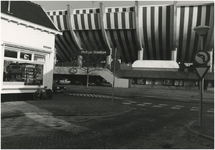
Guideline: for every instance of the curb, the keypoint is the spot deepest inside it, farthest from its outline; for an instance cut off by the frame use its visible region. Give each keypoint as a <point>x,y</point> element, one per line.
<point>189,130</point>
<point>127,109</point>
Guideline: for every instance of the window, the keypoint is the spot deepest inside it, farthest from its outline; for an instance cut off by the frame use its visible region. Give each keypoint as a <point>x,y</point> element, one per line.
<point>23,67</point>
<point>26,73</point>
<point>11,54</point>
<point>39,58</point>
<point>168,82</point>
<point>25,56</point>
<point>178,83</point>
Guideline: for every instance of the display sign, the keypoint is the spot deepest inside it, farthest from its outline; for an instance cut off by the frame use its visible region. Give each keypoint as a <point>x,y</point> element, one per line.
<point>73,70</point>
<point>201,71</point>
<point>25,56</point>
<point>93,52</point>
<point>201,58</point>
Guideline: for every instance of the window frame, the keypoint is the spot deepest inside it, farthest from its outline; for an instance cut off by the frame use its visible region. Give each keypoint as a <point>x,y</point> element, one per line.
<point>20,60</point>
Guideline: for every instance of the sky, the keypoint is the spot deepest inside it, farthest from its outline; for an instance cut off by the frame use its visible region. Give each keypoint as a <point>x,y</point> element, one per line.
<point>62,5</point>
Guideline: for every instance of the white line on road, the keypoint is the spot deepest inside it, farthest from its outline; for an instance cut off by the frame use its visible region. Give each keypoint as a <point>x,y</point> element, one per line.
<point>196,107</point>
<point>178,106</point>
<point>163,104</point>
<point>141,105</point>
<point>126,103</point>
<point>175,108</point>
<point>147,103</point>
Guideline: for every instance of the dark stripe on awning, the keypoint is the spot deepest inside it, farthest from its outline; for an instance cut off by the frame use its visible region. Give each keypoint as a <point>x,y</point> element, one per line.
<point>124,40</point>
<point>189,40</point>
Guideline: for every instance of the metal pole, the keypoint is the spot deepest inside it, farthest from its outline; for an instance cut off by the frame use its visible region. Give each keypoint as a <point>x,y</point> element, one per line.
<point>114,66</point>
<point>87,68</point>
<point>200,101</point>
<point>201,91</point>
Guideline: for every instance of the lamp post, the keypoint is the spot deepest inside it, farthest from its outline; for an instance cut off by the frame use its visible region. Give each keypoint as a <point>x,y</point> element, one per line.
<point>114,69</point>
<point>201,31</point>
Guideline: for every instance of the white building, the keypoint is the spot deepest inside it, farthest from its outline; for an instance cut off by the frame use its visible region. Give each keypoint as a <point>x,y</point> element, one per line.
<point>27,47</point>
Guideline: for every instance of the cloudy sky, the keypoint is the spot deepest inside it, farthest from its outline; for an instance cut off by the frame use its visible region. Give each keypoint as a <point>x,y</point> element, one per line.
<point>61,5</point>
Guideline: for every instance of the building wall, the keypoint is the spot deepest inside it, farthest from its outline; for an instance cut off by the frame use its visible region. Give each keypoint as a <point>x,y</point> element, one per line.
<point>24,39</point>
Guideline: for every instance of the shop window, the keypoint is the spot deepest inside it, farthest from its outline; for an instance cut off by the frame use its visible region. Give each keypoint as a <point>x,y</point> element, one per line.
<point>25,56</point>
<point>25,73</point>
<point>178,82</point>
<point>167,82</point>
<point>134,81</point>
<point>141,81</point>
<point>39,58</point>
<point>11,54</point>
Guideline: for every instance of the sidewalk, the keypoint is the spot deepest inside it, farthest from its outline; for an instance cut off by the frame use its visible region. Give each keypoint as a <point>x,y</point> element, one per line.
<point>64,105</point>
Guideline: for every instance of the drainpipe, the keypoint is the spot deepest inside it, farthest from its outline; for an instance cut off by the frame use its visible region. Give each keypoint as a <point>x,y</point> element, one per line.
<point>174,51</point>
<point>8,7</point>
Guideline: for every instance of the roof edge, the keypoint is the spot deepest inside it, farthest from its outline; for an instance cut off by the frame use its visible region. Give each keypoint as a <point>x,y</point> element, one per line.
<point>28,24</point>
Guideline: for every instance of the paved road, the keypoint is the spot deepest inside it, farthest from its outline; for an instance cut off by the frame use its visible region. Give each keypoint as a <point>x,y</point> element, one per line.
<point>150,123</point>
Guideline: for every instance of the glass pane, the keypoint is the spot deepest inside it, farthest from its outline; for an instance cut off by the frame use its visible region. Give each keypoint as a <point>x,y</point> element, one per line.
<point>25,56</point>
<point>25,73</point>
<point>39,58</point>
<point>11,54</point>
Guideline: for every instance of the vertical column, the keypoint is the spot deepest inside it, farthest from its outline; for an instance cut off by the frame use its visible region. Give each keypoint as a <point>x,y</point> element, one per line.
<point>108,60</point>
<point>108,45</point>
<point>140,54</point>
<point>174,50</point>
<point>69,21</point>
<point>139,43</point>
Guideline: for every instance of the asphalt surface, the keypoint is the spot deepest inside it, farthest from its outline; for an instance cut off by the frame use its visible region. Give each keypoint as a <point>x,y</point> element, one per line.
<point>91,118</point>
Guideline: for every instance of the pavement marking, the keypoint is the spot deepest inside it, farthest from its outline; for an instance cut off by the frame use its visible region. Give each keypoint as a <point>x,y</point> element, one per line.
<point>132,102</point>
<point>179,106</point>
<point>93,95</point>
<point>194,109</point>
<point>210,111</point>
<point>150,96</point>
<point>126,103</point>
<point>147,103</point>
<point>156,106</point>
<point>162,104</point>
<point>175,108</point>
<point>141,105</point>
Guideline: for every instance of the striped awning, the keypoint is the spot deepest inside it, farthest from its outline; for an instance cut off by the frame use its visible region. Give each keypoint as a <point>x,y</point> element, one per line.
<point>157,31</point>
<point>59,18</point>
<point>188,42</point>
<point>125,41</point>
<point>86,25</point>
<point>119,24</point>
<point>65,46</point>
<point>91,39</point>
<point>86,19</point>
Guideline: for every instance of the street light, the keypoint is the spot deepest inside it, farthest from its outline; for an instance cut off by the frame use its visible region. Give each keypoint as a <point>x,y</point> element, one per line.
<point>201,31</point>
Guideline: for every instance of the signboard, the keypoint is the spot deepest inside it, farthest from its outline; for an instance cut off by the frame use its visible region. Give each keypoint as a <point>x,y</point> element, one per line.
<point>73,70</point>
<point>201,60</point>
<point>94,52</point>
<point>201,71</point>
